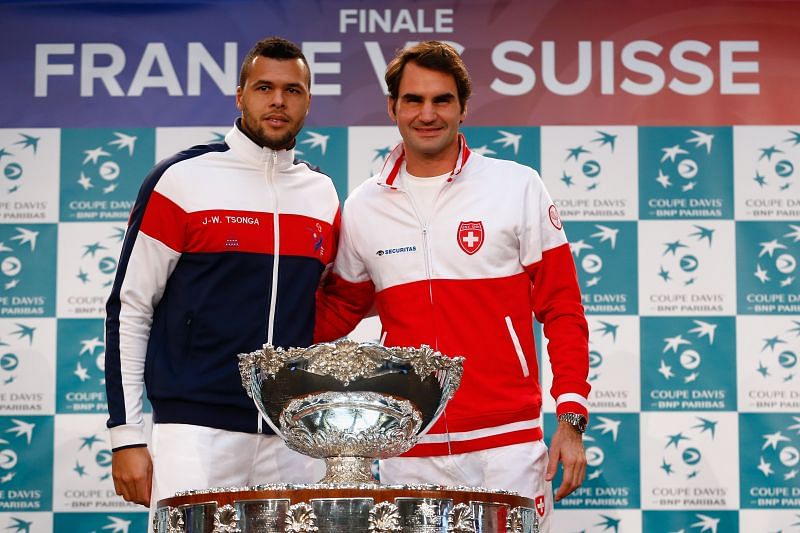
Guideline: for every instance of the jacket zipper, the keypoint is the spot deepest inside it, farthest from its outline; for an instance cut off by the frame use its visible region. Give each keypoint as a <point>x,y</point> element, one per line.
<point>270,178</point>
<point>517,347</point>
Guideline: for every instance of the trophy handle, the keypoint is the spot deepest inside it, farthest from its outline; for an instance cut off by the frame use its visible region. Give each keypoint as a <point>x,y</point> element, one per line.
<point>450,379</point>
<point>255,393</point>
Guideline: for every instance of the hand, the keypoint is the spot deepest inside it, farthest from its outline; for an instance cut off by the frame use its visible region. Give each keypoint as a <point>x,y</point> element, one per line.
<point>567,447</point>
<point>132,470</point>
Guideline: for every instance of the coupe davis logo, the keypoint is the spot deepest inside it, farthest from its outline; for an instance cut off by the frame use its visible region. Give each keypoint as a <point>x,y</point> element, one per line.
<point>591,263</point>
<point>679,169</point>
<point>776,167</point>
<point>681,258</point>
<point>776,263</point>
<point>778,359</point>
<point>584,164</point>
<point>684,452</point>
<point>14,167</point>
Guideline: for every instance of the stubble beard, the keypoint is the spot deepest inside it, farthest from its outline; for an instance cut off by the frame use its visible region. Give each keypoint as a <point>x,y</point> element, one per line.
<point>259,134</point>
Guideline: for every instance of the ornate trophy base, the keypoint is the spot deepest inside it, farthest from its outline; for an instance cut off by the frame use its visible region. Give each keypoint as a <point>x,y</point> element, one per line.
<point>325,508</point>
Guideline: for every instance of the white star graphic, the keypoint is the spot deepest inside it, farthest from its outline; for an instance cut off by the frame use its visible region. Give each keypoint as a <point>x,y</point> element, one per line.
<point>672,343</point>
<point>94,155</point>
<point>608,425</point>
<point>82,373</point>
<point>770,247</point>
<point>123,141</point>
<point>701,139</point>
<point>606,234</point>
<point>761,274</point>
<point>689,186</point>
<point>665,370</point>
<point>672,152</point>
<point>317,139</point>
<point>89,345</point>
<point>795,234</point>
<point>85,182</point>
<point>509,139</point>
<point>663,179</point>
<point>772,440</point>
<point>484,150</point>
<point>26,236</point>
<point>765,467</point>
<point>704,329</point>
<point>578,246</point>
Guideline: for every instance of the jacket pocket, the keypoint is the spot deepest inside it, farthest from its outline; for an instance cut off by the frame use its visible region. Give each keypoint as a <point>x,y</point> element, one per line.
<point>517,347</point>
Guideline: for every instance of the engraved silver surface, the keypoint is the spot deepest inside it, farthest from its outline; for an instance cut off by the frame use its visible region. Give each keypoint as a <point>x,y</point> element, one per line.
<point>353,401</point>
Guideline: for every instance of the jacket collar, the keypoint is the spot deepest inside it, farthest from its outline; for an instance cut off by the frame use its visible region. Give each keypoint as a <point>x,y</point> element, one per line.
<point>244,146</point>
<point>393,163</point>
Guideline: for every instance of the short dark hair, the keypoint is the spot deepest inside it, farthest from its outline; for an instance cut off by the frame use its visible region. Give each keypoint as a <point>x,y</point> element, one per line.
<point>434,55</point>
<point>273,48</point>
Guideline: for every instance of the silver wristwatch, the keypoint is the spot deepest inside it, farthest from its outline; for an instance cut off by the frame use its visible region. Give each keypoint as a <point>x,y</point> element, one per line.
<point>575,420</point>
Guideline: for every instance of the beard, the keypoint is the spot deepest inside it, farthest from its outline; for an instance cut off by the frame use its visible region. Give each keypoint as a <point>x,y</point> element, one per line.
<point>258,133</point>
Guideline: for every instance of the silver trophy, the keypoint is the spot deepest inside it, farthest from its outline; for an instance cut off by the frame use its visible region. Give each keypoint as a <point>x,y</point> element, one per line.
<point>350,403</point>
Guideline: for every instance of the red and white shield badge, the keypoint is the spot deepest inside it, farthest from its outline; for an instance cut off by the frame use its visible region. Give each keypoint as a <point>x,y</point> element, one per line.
<point>539,501</point>
<point>470,236</point>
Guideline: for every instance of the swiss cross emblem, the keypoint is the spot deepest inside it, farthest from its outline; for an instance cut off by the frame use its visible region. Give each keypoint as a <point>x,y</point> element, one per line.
<point>539,501</point>
<point>470,236</point>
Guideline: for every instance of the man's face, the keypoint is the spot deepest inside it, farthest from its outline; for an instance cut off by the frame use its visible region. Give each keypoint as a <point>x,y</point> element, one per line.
<point>427,111</point>
<point>274,101</point>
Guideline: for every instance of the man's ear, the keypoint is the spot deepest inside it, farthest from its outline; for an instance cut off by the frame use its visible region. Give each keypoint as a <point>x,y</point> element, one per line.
<point>390,108</point>
<point>239,97</point>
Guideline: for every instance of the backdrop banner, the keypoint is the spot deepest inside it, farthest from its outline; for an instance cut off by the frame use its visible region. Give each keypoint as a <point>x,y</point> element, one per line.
<point>667,133</point>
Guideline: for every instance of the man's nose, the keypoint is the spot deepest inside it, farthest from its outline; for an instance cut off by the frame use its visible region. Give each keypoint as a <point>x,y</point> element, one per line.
<point>278,99</point>
<point>428,112</point>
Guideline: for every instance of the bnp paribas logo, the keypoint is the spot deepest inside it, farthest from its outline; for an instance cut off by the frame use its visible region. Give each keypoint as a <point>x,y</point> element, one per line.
<point>13,161</point>
<point>9,358</point>
<point>516,144</point>
<point>778,163</point>
<point>690,521</point>
<point>612,479</point>
<point>770,460</point>
<point>688,256</point>
<point>326,148</point>
<point>686,363</point>
<point>26,462</point>
<point>80,380</point>
<point>98,262</point>
<point>584,166</point>
<point>92,458</point>
<point>686,173</point>
<point>605,257</point>
<point>27,270</point>
<point>777,360</point>
<point>685,452</point>
<point>101,171</point>
<point>767,255</point>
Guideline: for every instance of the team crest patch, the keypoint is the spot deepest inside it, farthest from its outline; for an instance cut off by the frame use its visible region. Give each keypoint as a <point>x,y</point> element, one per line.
<point>555,218</point>
<point>539,502</point>
<point>470,236</point>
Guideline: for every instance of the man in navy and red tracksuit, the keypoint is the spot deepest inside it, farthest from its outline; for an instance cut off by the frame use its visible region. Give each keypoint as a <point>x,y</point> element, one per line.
<point>455,249</point>
<point>224,252</point>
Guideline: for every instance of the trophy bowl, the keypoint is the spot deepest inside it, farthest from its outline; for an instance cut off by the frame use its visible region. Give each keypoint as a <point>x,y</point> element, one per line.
<point>350,403</point>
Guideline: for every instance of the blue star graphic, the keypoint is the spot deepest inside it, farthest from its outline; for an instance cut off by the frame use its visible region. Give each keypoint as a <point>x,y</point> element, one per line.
<point>664,274</point>
<point>83,276</point>
<point>768,152</point>
<point>608,329</point>
<point>666,467</point>
<point>690,475</point>
<point>785,186</point>
<point>24,331</point>
<point>689,281</point>
<point>764,371</point>
<point>706,425</point>
<point>28,140</point>
<point>567,180</point>
<point>217,137</point>
<point>92,249</point>
<point>703,233</point>
<point>673,247</point>
<point>81,470</point>
<point>795,137</point>
<point>88,442</point>
<point>591,187</point>
<point>382,153</point>
<point>576,152</point>
<point>119,234</point>
<point>606,138</point>
<point>19,525</point>
<point>609,523</point>
<point>3,152</point>
<point>795,329</point>
<point>760,179</point>
<point>675,440</point>
<point>771,342</point>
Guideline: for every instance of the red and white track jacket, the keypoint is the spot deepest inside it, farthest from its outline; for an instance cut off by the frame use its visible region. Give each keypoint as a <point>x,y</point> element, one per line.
<point>465,284</point>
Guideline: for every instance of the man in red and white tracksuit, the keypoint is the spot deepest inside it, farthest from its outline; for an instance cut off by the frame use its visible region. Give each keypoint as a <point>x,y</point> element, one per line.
<point>455,249</point>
